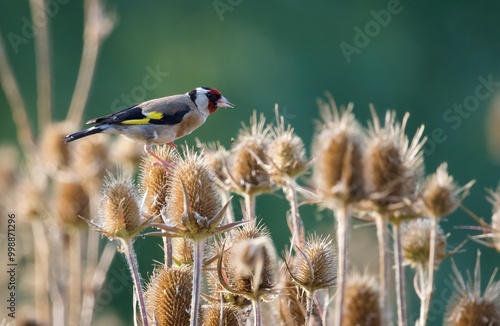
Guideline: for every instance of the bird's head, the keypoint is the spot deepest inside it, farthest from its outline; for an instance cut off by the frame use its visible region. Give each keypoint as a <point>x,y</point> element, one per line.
<point>209,99</point>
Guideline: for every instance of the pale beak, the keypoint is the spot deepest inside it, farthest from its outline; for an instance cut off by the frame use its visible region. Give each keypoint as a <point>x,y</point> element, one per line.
<point>224,103</point>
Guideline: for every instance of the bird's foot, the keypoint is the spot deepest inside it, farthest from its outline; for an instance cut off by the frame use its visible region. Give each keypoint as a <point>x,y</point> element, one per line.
<point>166,165</point>
<point>171,144</point>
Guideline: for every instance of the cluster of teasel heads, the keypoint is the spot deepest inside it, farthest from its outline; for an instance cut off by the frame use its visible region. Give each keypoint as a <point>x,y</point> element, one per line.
<point>373,175</point>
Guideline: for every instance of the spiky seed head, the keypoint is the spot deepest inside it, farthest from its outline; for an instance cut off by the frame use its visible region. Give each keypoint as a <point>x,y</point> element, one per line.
<point>393,164</point>
<point>286,151</point>
<point>440,194</point>
<point>415,241</point>
<point>292,301</point>
<point>314,267</point>
<point>126,152</point>
<point>154,180</point>
<point>212,315</point>
<point>72,203</point>
<point>193,199</point>
<point>168,296</point>
<point>217,158</point>
<point>90,159</point>
<point>338,149</point>
<point>468,306</point>
<point>361,305</point>
<point>494,199</point>
<point>249,157</point>
<point>30,199</point>
<point>182,251</point>
<point>241,279</point>
<point>119,208</point>
<point>54,152</point>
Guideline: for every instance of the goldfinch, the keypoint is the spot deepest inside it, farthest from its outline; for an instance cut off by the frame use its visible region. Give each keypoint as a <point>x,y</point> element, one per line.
<point>159,121</point>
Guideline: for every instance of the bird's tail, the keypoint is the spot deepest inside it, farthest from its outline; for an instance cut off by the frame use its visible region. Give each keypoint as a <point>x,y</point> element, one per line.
<point>84,133</point>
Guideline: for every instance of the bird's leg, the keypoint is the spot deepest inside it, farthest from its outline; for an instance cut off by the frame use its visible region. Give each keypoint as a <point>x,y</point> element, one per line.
<point>148,148</point>
<point>171,144</point>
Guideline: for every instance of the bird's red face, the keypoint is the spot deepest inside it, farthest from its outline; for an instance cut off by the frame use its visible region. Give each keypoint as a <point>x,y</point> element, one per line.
<point>216,100</point>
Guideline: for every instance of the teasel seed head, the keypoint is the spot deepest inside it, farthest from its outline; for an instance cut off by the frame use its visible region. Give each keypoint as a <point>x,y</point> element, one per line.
<point>72,203</point>
<point>494,199</point>
<point>54,152</point>
<point>182,251</point>
<point>440,193</point>
<point>393,164</point>
<point>194,202</point>
<point>154,180</point>
<point>415,240</point>
<point>314,264</point>
<point>217,158</point>
<point>89,160</point>
<point>251,246</point>
<point>168,296</point>
<point>119,208</point>
<point>286,152</point>
<point>247,166</point>
<point>468,306</point>
<point>361,305</point>
<point>292,301</point>
<point>212,315</point>
<point>127,153</point>
<point>338,149</point>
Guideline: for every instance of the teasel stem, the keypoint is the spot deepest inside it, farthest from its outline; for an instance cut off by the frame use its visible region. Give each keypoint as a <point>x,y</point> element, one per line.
<point>257,312</point>
<point>400,275</point>
<point>197,266</point>
<point>297,225</point>
<point>167,248</point>
<point>382,238</point>
<point>75,276</point>
<point>128,251</point>
<point>421,294</point>
<point>225,197</point>
<point>249,206</point>
<point>309,307</point>
<point>342,240</point>
<point>427,292</point>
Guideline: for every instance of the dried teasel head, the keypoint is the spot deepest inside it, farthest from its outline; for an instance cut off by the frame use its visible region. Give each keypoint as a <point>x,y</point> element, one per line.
<point>440,193</point>
<point>468,305</point>
<point>216,158</point>
<point>155,180</point>
<point>494,199</point>
<point>194,203</point>
<point>415,241</point>
<point>213,316</point>
<point>286,152</point>
<point>89,160</point>
<point>168,296</point>
<point>247,166</point>
<point>338,149</point>
<point>292,301</point>
<point>248,263</point>
<point>394,165</point>
<point>127,153</point>
<point>54,152</point>
<point>361,305</point>
<point>72,203</point>
<point>314,264</point>
<point>119,209</point>
<point>182,251</point>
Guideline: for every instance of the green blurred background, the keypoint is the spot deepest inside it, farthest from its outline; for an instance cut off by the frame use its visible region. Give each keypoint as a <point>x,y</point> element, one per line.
<point>425,60</point>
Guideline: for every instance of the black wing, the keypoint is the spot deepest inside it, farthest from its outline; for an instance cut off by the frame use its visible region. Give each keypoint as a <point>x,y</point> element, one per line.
<point>135,115</point>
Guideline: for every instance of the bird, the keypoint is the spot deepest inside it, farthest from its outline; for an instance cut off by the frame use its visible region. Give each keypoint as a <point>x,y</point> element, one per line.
<point>159,121</point>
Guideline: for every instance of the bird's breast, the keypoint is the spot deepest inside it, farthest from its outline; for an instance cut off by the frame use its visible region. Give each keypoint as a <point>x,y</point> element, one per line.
<point>190,122</point>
